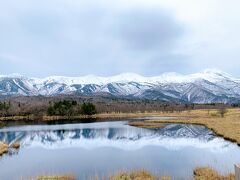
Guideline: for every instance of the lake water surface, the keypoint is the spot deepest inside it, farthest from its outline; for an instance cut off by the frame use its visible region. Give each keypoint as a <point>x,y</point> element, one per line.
<point>107,147</point>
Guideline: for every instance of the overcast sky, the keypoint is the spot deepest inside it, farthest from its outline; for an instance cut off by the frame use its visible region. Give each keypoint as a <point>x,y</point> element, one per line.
<point>106,37</point>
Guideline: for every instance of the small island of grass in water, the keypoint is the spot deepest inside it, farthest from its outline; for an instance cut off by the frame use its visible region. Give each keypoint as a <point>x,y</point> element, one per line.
<point>4,147</point>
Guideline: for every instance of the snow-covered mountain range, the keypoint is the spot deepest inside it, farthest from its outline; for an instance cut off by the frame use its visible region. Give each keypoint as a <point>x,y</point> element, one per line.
<point>209,86</point>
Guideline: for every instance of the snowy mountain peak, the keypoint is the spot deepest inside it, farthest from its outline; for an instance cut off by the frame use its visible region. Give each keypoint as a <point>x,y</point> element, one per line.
<point>216,73</point>
<point>205,87</point>
<point>14,75</point>
<point>208,74</point>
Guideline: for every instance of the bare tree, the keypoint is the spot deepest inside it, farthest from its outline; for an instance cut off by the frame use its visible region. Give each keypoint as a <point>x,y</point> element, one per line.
<point>222,111</point>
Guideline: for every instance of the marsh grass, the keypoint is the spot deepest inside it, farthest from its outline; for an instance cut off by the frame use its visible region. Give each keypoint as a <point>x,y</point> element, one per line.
<point>121,175</point>
<point>137,175</point>
<point>15,145</point>
<point>227,127</point>
<point>146,124</point>
<point>114,115</point>
<point>134,175</point>
<point>104,116</point>
<point>64,177</point>
<point>200,173</point>
<point>205,173</point>
<point>3,148</point>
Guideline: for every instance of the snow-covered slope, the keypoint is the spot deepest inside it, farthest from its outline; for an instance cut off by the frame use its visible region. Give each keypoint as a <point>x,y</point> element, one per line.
<point>204,87</point>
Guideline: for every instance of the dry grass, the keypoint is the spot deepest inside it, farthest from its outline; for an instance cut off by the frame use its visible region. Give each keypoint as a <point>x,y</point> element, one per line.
<point>133,175</point>
<point>201,173</point>
<point>227,127</point>
<point>99,116</point>
<point>146,124</point>
<point>165,178</point>
<point>111,115</point>
<point>15,145</point>
<point>136,175</point>
<point>65,177</point>
<point>122,175</point>
<point>3,148</point>
<point>105,116</point>
<point>17,118</point>
<point>210,174</point>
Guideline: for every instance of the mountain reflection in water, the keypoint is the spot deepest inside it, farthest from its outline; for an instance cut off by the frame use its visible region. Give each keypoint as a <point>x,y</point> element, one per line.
<point>102,148</point>
<point>113,134</point>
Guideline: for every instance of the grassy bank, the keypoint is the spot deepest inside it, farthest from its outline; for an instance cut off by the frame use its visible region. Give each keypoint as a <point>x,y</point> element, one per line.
<point>137,175</point>
<point>227,127</point>
<point>64,177</point>
<point>124,175</point>
<point>102,116</point>
<point>211,174</point>
<point>111,115</point>
<point>204,173</point>
<point>178,114</point>
<point>3,148</point>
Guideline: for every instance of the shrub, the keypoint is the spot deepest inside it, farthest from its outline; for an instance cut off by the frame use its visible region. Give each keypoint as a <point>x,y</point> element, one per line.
<point>62,108</point>
<point>88,109</point>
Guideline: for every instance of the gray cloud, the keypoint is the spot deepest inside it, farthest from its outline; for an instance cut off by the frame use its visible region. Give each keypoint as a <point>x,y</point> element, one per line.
<point>76,38</point>
<point>149,29</point>
<point>60,37</point>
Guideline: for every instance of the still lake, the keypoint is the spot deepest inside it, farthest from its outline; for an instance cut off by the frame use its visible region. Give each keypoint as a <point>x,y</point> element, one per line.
<point>89,149</point>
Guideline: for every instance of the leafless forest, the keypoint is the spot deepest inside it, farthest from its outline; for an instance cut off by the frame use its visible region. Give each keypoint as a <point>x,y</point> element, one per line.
<point>38,105</point>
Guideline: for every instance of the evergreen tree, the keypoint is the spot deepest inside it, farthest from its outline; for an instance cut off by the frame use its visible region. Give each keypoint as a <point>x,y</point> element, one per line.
<point>88,109</point>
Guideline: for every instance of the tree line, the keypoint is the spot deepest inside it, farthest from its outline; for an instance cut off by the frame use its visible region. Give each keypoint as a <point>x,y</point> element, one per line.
<point>77,105</point>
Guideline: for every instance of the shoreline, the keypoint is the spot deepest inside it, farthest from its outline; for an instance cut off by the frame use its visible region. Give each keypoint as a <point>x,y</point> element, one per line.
<point>188,122</point>
<point>98,116</point>
<point>174,114</point>
<point>227,127</point>
<point>199,173</point>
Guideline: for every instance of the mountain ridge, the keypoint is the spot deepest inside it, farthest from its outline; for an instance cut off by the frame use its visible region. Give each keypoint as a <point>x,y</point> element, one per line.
<point>209,86</point>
